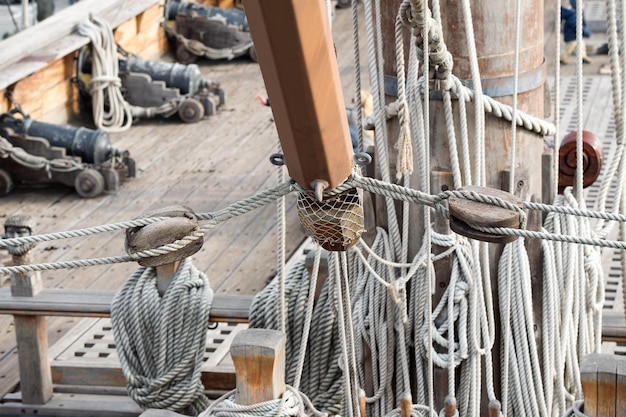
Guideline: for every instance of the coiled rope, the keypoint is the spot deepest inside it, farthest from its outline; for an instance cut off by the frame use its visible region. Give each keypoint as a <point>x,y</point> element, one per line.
<point>111,112</point>
<point>321,376</point>
<point>161,340</point>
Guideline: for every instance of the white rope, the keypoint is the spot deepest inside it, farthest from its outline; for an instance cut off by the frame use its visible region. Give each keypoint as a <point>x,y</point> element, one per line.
<point>161,340</point>
<point>491,106</point>
<point>111,112</point>
<point>317,369</point>
<point>291,403</point>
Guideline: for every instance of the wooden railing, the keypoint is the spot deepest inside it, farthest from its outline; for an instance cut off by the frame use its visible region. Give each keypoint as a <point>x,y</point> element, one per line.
<point>37,64</point>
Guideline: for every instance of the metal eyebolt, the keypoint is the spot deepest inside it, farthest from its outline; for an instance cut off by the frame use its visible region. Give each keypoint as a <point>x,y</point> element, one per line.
<point>362,158</point>
<point>277,159</point>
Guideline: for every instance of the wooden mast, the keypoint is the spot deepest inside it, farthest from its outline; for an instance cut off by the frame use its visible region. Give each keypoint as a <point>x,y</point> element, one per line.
<point>494,31</point>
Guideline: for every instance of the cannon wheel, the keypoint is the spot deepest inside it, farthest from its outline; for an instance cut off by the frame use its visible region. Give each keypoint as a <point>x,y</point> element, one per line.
<point>253,55</point>
<point>89,183</point>
<point>191,111</point>
<point>6,183</point>
<point>183,55</point>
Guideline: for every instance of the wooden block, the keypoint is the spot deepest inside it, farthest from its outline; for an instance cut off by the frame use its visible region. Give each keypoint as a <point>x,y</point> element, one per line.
<point>32,345</point>
<point>589,380</point>
<point>297,59</point>
<point>259,359</point>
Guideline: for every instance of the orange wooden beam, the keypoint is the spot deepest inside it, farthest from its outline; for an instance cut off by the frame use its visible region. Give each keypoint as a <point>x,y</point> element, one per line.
<point>297,58</point>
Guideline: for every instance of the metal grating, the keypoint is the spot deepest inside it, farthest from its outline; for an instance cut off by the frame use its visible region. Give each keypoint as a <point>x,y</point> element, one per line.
<point>597,117</point>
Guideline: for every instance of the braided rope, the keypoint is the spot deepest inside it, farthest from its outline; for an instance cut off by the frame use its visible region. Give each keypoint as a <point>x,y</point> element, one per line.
<point>161,341</point>
<point>291,403</point>
<point>246,205</point>
<point>111,112</point>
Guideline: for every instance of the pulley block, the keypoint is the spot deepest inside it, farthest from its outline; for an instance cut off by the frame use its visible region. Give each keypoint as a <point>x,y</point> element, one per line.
<point>466,215</point>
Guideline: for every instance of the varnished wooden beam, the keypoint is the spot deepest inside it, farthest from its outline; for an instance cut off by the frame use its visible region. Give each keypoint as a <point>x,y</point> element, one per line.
<point>297,58</point>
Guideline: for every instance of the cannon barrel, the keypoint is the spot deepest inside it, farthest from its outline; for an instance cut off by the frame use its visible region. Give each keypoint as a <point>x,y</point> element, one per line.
<point>187,78</point>
<point>232,17</point>
<point>92,146</point>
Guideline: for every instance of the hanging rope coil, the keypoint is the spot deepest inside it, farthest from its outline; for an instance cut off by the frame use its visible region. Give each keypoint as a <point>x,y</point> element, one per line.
<point>111,112</point>
<point>161,341</point>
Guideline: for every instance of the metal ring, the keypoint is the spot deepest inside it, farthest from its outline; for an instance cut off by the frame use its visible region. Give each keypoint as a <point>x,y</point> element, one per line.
<point>277,159</point>
<point>362,158</point>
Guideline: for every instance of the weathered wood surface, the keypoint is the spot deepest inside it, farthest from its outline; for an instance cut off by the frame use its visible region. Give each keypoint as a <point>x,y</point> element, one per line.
<point>55,37</point>
<point>206,166</point>
<point>259,359</point>
<point>95,303</point>
<point>603,379</point>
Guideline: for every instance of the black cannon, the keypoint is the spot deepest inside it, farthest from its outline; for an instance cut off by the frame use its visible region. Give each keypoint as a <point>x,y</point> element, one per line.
<point>35,153</point>
<point>157,88</point>
<point>200,30</point>
<point>92,146</point>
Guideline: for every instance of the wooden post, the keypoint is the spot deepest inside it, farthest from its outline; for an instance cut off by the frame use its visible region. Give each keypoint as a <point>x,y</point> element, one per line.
<point>165,275</point>
<point>30,331</point>
<point>603,378</point>
<point>297,58</point>
<point>259,359</point>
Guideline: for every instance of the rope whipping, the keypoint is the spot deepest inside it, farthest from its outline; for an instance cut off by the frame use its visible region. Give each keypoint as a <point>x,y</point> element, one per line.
<point>161,340</point>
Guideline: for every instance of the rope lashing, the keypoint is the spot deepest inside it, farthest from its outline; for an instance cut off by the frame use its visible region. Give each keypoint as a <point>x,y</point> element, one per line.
<point>161,341</point>
<point>491,105</point>
<point>440,59</point>
<point>292,403</point>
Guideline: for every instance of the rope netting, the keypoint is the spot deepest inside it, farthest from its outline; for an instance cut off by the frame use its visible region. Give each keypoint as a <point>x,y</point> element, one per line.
<point>374,325</point>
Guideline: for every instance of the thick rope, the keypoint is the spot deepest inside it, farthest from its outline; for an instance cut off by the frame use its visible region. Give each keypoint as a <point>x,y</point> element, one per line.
<point>321,377</point>
<point>111,112</point>
<point>161,340</point>
<point>291,403</point>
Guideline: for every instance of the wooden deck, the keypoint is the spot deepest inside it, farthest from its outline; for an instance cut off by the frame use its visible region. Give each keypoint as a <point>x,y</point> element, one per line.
<point>205,166</point>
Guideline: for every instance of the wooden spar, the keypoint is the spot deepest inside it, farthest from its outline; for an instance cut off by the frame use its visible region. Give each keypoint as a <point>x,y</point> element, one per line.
<point>30,331</point>
<point>297,58</point>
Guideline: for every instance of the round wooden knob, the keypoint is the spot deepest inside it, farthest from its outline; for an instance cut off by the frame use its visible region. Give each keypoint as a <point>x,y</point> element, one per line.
<point>592,159</point>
